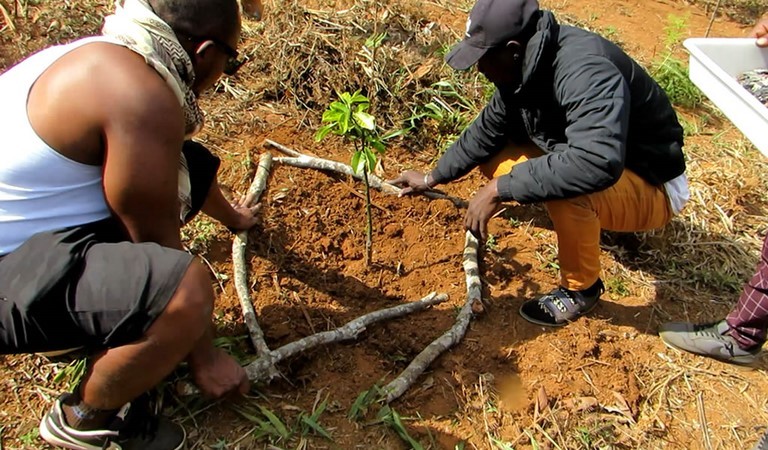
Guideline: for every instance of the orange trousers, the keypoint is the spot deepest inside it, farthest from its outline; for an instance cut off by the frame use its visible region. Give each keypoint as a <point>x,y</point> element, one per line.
<point>632,204</point>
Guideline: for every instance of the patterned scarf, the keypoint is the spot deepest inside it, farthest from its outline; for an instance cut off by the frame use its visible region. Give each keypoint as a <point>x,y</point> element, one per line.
<point>136,26</point>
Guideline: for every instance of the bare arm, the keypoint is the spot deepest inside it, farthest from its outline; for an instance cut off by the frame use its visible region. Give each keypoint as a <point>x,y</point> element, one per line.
<point>143,135</point>
<point>237,216</point>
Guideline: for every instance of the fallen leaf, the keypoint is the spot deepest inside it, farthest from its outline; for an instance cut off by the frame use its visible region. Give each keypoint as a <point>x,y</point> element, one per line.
<point>579,404</point>
<point>622,407</point>
<point>542,401</point>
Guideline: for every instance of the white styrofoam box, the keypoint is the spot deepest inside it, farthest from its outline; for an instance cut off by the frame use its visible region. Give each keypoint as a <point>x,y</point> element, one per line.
<point>714,65</point>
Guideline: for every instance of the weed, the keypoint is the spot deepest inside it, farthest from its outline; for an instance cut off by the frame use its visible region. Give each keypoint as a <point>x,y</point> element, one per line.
<point>268,425</point>
<point>388,416</point>
<point>491,243</point>
<point>72,374</point>
<point>617,286</point>
<point>235,346</point>
<point>671,73</point>
<point>375,40</point>
<point>690,127</point>
<point>310,423</point>
<point>220,444</point>
<point>271,427</point>
<point>584,437</point>
<point>362,403</point>
<point>548,258</point>
<point>198,234</point>
<point>30,438</point>
<point>595,436</point>
<point>448,109</point>
<point>611,33</point>
<point>501,445</point>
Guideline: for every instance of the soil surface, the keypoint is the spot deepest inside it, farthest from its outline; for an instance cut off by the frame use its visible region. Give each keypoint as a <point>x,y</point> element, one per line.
<point>605,381</point>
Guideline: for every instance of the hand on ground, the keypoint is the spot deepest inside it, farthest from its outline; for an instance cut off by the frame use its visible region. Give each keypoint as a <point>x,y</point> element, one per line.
<point>219,375</point>
<point>761,32</point>
<point>245,216</point>
<point>481,208</point>
<point>411,181</point>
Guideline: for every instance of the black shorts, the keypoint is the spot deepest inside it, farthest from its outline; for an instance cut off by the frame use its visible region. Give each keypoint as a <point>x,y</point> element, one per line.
<point>84,286</point>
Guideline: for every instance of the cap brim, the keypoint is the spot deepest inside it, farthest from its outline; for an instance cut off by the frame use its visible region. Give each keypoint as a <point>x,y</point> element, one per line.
<point>464,55</point>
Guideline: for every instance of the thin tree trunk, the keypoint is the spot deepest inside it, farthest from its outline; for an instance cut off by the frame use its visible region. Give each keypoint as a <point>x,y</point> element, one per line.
<point>369,220</point>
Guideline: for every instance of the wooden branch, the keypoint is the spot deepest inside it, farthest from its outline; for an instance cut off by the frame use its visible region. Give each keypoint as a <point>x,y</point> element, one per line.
<point>260,179</point>
<point>407,377</point>
<point>286,150</point>
<point>240,266</point>
<point>298,159</point>
<point>258,370</point>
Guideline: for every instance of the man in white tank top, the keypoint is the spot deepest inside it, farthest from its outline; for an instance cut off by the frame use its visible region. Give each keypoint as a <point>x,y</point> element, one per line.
<point>90,247</point>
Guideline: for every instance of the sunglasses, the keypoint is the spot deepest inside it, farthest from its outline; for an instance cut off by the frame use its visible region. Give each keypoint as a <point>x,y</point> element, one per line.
<point>233,64</point>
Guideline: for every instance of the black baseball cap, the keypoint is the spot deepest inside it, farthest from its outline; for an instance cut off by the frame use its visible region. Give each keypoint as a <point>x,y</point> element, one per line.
<point>491,23</point>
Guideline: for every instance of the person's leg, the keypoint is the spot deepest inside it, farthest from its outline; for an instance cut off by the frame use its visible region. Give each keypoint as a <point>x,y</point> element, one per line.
<point>148,306</point>
<point>121,374</point>
<point>631,204</point>
<point>749,318</point>
<point>739,338</point>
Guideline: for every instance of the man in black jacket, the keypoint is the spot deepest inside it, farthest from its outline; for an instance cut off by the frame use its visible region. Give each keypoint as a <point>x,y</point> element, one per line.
<point>574,123</point>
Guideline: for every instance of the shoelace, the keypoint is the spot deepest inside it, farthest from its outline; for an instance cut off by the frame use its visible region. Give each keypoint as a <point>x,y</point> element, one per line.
<point>707,329</point>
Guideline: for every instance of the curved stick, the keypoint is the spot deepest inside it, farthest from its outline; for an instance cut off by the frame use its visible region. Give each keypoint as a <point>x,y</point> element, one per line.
<point>298,159</point>
<point>407,377</point>
<point>258,370</point>
<point>240,266</point>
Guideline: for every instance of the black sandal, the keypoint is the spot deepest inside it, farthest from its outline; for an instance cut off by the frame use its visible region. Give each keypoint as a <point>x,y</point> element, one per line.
<point>561,305</point>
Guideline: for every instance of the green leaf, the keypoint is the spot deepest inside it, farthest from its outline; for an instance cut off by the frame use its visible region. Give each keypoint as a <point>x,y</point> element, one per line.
<point>377,145</point>
<point>391,418</point>
<point>323,132</point>
<point>355,163</point>
<point>394,134</point>
<point>276,422</point>
<point>319,410</point>
<point>357,97</point>
<point>361,404</point>
<point>316,427</point>
<point>365,120</point>
<point>331,116</point>
<point>344,122</point>
<point>370,160</point>
<point>346,98</point>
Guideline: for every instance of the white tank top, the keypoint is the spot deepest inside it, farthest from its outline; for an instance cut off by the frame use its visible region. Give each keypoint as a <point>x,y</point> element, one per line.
<point>40,190</point>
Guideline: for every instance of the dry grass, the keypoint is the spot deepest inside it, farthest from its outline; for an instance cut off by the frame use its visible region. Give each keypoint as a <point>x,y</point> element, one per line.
<point>742,11</point>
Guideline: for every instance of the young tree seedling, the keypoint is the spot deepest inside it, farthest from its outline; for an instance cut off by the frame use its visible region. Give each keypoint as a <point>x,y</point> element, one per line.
<point>348,118</point>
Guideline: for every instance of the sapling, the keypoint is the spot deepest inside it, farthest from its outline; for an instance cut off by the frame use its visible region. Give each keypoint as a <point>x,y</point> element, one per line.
<point>348,117</point>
